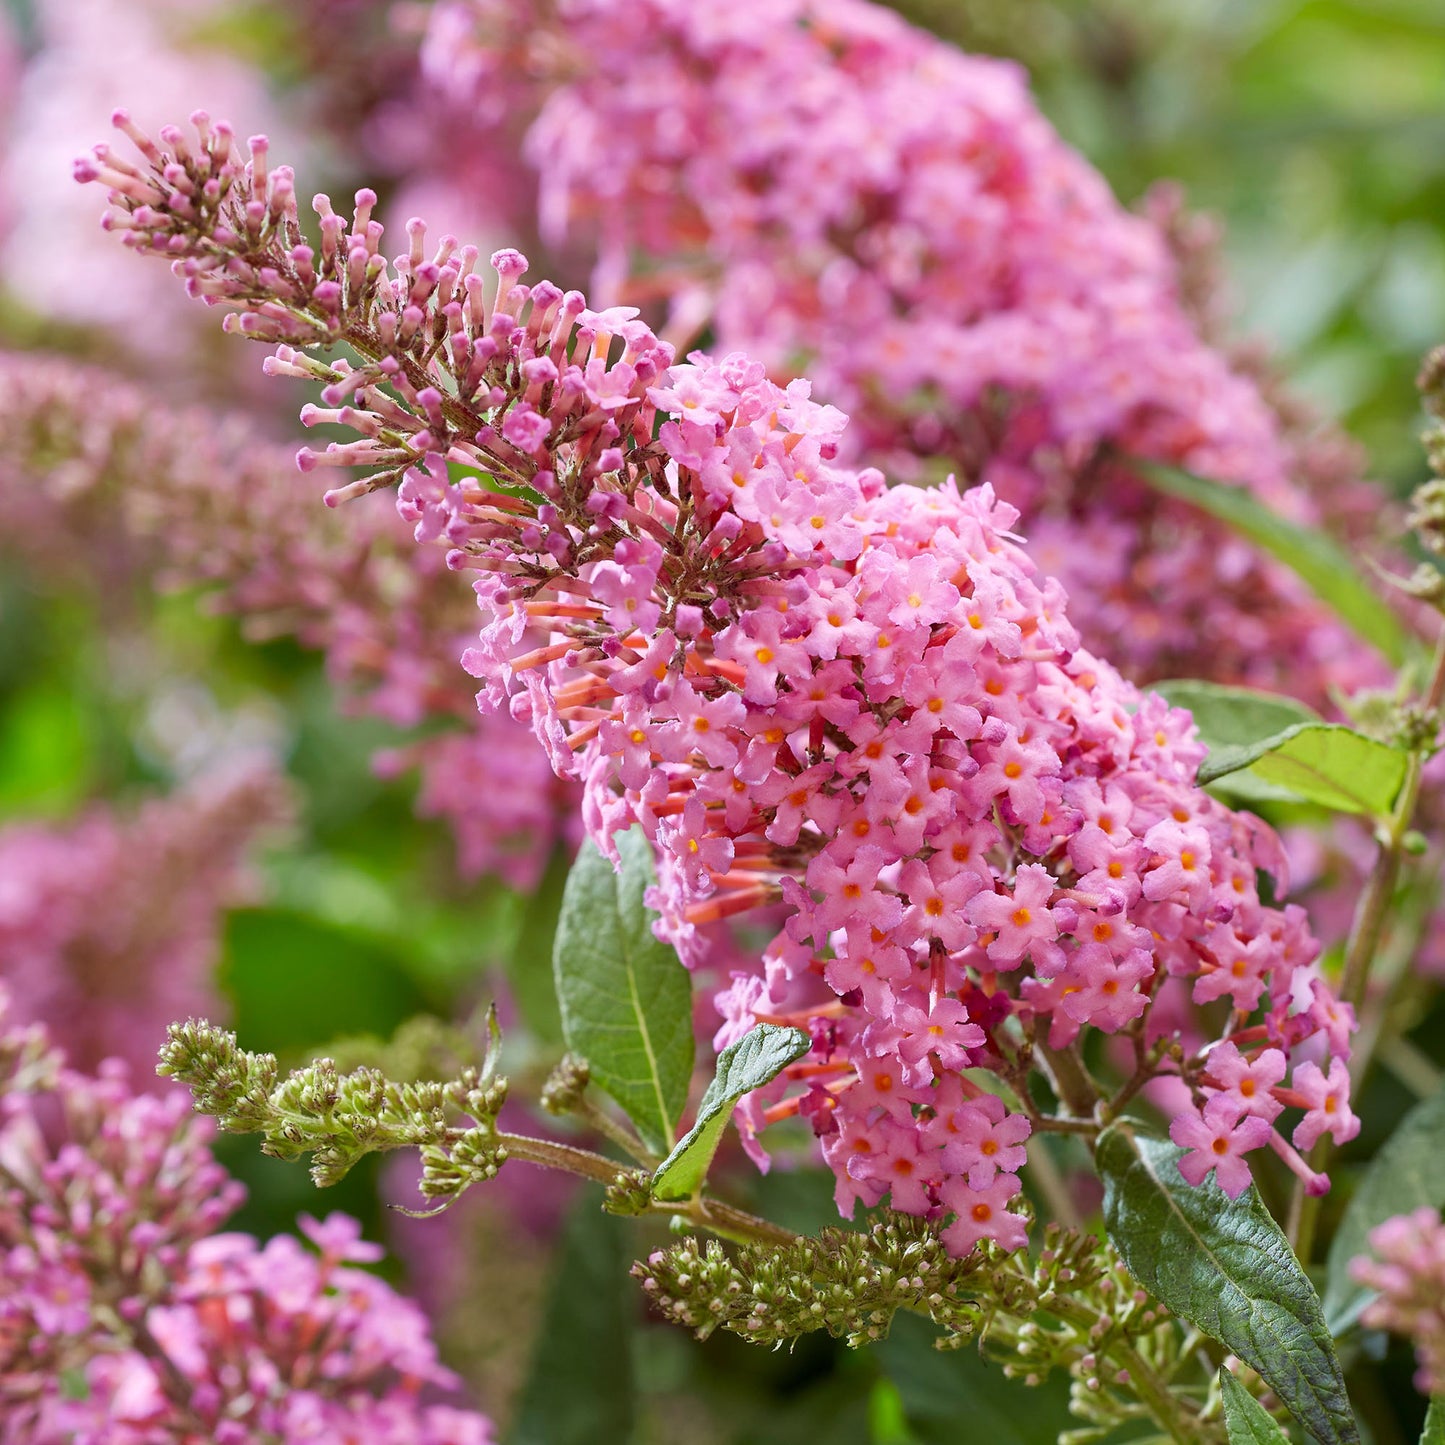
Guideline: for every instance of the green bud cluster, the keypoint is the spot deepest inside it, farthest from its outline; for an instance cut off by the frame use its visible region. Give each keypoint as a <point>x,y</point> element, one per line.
<point>629,1193</point>
<point>1071,1308</point>
<point>339,1117</point>
<point>566,1085</point>
<point>1087,1310</point>
<point>847,1282</point>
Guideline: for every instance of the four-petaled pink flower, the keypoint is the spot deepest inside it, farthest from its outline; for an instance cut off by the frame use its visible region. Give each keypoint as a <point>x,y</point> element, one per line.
<point>1218,1139</point>
<point>1327,1099</point>
<point>1022,920</point>
<point>943,1032</point>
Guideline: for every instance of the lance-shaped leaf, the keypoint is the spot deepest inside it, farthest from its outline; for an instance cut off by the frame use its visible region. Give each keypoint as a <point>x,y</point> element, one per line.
<point>1233,716</point>
<point>626,999</point>
<point>756,1059</point>
<point>1319,763</point>
<point>1314,557</point>
<point>1246,1421</point>
<point>1236,717</point>
<point>1407,1173</point>
<point>1225,1266</point>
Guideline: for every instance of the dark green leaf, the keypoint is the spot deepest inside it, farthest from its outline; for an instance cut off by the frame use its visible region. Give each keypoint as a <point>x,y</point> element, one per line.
<point>758,1057</point>
<point>1224,1266</point>
<point>1314,557</point>
<point>1407,1173</point>
<point>626,999</point>
<point>1434,1431</point>
<point>1246,1420</point>
<point>579,1389</point>
<point>1319,763</point>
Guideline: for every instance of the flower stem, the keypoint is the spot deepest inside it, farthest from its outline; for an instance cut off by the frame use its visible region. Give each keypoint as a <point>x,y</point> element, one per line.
<point>1368,926</point>
<point>1170,1410</point>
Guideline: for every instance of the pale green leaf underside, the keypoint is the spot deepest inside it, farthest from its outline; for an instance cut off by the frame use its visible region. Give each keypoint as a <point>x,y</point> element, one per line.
<point>756,1059</point>
<point>1224,1266</point>
<point>1246,1421</point>
<point>1407,1173</point>
<point>1314,557</point>
<point>1319,763</point>
<point>625,998</point>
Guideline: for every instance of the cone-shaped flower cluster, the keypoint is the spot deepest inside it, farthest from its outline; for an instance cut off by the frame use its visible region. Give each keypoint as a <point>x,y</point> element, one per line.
<point>858,707</point>
<point>1408,1270</point>
<point>847,197</point>
<point>109,927</point>
<point>125,1319</point>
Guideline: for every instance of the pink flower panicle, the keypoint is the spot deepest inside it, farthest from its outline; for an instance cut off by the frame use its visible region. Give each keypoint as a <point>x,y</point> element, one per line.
<point>109,926</point>
<point>1408,1270</point>
<point>838,193</point>
<point>125,1319</point>
<point>857,712</point>
<point>96,477</point>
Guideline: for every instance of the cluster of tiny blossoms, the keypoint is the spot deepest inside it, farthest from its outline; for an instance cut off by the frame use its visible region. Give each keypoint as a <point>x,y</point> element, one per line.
<point>125,1320</point>
<point>100,479</point>
<point>1408,1270</point>
<point>856,705</point>
<point>849,198</point>
<point>109,926</point>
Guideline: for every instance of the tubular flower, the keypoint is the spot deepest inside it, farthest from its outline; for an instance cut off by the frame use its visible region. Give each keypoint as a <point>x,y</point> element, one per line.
<point>125,1320</point>
<point>92,468</point>
<point>857,710</point>
<point>851,199</point>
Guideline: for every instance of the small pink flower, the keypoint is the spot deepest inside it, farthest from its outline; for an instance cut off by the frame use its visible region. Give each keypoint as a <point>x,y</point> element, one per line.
<point>1218,1140</point>
<point>1020,920</point>
<point>1327,1098</point>
<point>983,1214</point>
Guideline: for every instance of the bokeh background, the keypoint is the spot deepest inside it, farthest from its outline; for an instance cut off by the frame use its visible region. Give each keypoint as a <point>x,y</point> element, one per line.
<point>1312,132</point>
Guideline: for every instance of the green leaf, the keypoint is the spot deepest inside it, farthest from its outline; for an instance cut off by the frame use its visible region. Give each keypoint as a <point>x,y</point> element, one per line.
<point>579,1389</point>
<point>1233,716</point>
<point>1319,763</point>
<point>1245,1419</point>
<point>1314,557</point>
<point>1407,1173</point>
<point>1224,1266</point>
<point>626,999</point>
<point>1434,1431</point>
<point>1236,717</point>
<point>758,1057</point>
